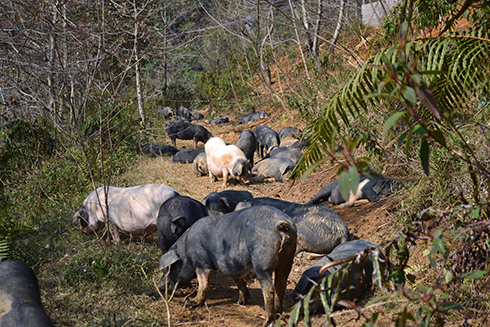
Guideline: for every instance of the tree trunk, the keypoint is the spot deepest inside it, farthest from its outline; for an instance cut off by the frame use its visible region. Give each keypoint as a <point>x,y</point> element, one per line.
<point>339,26</point>
<point>139,92</point>
<point>298,40</point>
<point>51,66</point>
<point>315,46</point>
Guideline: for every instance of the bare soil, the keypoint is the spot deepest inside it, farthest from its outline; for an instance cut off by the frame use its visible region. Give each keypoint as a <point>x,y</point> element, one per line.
<point>370,221</point>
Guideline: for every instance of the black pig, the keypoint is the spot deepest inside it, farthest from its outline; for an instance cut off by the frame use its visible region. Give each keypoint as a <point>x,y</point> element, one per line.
<point>320,229</point>
<point>187,131</point>
<point>267,139</point>
<point>253,116</point>
<point>289,131</point>
<point>154,150</point>
<point>368,188</point>
<point>176,215</point>
<point>247,142</point>
<point>285,152</point>
<point>186,156</point>
<point>225,201</point>
<point>353,282</point>
<point>197,116</point>
<point>184,112</point>
<point>20,298</point>
<point>218,120</point>
<point>256,242</point>
<point>200,164</point>
<point>277,168</point>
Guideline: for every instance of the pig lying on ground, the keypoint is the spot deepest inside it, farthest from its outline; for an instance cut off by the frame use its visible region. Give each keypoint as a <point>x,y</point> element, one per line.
<point>226,160</point>
<point>197,116</point>
<point>289,131</point>
<point>288,142</point>
<point>218,120</point>
<point>133,210</point>
<point>184,112</point>
<point>176,215</point>
<point>354,281</point>
<point>187,131</point>
<point>320,229</point>
<point>186,156</point>
<point>225,201</point>
<point>248,144</point>
<point>154,150</point>
<point>370,189</point>
<point>20,297</point>
<point>277,168</point>
<point>253,116</point>
<point>286,152</point>
<point>267,139</point>
<point>256,242</point>
<point>301,143</point>
<point>200,164</point>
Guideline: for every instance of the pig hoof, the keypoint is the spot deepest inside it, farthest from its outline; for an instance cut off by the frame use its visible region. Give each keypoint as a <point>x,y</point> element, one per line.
<point>192,304</point>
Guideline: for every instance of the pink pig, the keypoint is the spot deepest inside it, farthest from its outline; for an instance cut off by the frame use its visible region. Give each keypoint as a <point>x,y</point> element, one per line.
<point>133,210</point>
<point>225,160</point>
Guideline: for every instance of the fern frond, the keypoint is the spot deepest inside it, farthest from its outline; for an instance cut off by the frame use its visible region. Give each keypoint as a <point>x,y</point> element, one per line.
<point>4,249</point>
<point>454,68</point>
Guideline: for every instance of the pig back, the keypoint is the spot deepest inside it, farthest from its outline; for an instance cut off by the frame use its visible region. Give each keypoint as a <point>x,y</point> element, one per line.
<point>243,243</point>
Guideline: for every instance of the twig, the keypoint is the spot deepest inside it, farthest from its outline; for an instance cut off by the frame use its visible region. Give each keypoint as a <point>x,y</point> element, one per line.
<point>169,322</point>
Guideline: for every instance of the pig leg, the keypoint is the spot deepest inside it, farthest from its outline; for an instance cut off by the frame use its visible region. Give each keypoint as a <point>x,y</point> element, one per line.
<point>203,282</point>
<point>244,294</point>
<point>115,231</point>
<point>195,144</point>
<point>268,293</point>
<point>212,177</point>
<point>280,287</point>
<point>225,177</point>
<point>174,143</point>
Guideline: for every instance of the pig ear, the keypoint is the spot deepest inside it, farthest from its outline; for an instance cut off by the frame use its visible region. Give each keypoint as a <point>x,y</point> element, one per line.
<point>237,169</point>
<point>204,201</point>
<point>178,224</point>
<point>168,259</point>
<point>284,169</point>
<point>75,217</point>
<point>225,201</point>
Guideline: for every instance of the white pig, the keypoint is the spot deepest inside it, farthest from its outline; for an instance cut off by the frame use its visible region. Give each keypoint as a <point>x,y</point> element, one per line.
<point>225,160</point>
<point>133,210</point>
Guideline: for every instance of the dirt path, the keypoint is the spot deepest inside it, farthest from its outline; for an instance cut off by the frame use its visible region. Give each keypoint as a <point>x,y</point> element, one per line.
<point>371,221</point>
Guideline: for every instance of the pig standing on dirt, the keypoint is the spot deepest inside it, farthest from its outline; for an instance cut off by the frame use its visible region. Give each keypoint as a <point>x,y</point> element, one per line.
<point>176,215</point>
<point>248,144</point>
<point>225,160</point>
<point>187,131</point>
<point>20,297</point>
<point>353,282</point>
<point>320,229</point>
<point>225,201</point>
<point>133,210</point>
<point>267,139</point>
<point>256,242</point>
